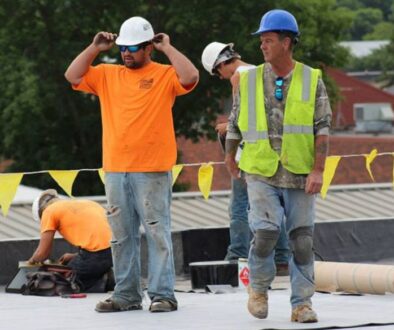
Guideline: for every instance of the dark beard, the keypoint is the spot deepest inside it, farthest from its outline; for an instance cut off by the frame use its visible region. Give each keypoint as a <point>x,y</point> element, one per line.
<point>135,65</point>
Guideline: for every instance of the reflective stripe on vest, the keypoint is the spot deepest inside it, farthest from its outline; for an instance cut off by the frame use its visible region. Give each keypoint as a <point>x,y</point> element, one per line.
<point>298,141</point>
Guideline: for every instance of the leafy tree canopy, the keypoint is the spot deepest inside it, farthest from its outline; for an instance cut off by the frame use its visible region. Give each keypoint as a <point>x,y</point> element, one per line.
<point>44,124</point>
<point>370,18</point>
<point>380,31</point>
<point>365,20</point>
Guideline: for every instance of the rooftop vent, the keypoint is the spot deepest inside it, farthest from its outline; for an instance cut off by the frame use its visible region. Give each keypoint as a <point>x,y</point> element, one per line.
<point>373,117</point>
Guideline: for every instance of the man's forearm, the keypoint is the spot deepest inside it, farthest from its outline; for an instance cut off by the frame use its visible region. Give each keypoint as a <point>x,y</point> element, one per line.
<point>38,256</point>
<point>185,69</point>
<point>321,151</point>
<point>81,64</point>
<point>44,247</point>
<point>231,147</point>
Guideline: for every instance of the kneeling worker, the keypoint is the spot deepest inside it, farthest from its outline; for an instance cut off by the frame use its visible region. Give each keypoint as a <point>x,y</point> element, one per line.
<point>82,223</point>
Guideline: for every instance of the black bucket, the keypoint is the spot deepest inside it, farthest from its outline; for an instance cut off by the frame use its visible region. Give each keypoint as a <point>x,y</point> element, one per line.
<point>213,273</point>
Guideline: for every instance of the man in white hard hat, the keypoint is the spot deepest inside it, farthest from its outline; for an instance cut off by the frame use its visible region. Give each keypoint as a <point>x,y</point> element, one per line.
<point>139,151</point>
<point>283,118</point>
<point>222,60</point>
<point>83,224</point>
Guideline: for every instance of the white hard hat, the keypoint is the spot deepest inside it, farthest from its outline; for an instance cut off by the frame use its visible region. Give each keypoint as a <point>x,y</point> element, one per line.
<point>41,201</point>
<point>210,55</point>
<point>134,31</point>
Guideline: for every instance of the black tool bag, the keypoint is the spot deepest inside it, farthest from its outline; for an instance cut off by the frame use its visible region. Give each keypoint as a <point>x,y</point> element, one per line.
<point>51,281</point>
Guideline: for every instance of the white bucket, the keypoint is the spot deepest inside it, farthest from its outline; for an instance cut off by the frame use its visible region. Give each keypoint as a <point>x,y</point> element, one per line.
<point>243,273</point>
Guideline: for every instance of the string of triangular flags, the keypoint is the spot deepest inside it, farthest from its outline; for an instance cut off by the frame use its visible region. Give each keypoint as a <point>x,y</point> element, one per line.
<point>9,182</point>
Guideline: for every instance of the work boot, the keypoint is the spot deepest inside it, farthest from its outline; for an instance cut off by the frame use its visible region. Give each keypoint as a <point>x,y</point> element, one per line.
<point>163,305</point>
<point>303,314</point>
<point>110,306</point>
<point>257,304</point>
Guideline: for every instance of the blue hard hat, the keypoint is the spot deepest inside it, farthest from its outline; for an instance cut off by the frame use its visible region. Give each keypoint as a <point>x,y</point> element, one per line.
<point>278,20</point>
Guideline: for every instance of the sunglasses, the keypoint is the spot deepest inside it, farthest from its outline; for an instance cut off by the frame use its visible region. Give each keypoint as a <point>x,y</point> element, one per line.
<point>131,49</point>
<point>279,89</point>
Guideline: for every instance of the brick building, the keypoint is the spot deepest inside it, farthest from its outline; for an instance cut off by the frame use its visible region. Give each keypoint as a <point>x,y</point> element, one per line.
<point>349,171</point>
<point>354,91</point>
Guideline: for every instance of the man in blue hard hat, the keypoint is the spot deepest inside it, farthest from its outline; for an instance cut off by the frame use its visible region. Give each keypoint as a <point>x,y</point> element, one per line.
<point>221,60</point>
<point>283,118</point>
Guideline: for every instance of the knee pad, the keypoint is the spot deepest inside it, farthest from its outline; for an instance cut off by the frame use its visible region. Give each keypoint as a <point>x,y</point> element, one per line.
<point>301,244</point>
<point>265,241</point>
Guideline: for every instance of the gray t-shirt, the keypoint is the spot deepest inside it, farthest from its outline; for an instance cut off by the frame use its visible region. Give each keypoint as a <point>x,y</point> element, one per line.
<point>274,113</point>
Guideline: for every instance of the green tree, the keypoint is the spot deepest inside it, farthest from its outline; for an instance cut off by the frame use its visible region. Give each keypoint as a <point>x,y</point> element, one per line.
<point>386,63</point>
<point>384,5</point>
<point>364,21</point>
<point>45,125</point>
<point>380,32</point>
<point>350,4</point>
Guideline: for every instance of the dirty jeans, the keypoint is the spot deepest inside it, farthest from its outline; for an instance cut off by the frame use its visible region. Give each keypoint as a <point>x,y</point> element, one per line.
<point>268,205</point>
<point>143,198</point>
<point>240,234</point>
<point>91,266</point>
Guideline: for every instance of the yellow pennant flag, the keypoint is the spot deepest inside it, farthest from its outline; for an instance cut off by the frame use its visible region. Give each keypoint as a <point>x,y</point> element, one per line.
<point>205,174</point>
<point>368,161</point>
<point>8,185</point>
<point>329,171</point>
<point>65,179</point>
<point>102,175</point>
<point>176,169</point>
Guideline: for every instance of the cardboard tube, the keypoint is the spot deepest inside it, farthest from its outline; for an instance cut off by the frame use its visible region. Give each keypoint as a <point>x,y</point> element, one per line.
<point>354,278</point>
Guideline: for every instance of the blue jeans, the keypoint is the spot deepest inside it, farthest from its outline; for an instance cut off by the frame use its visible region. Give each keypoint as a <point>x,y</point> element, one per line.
<point>282,250</point>
<point>240,234</point>
<point>143,198</point>
<point>268,205</point>
<point>91,266</point>
<point>239,227</point>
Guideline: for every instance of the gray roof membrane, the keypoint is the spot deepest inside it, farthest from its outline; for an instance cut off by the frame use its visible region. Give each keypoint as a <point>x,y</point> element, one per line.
<point>190,210</point>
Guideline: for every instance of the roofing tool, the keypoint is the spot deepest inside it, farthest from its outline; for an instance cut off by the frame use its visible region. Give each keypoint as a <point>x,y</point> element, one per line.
<point>74,295</point>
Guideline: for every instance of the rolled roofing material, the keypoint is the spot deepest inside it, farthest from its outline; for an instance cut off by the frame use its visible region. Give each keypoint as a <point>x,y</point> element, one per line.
<point>354,278</point>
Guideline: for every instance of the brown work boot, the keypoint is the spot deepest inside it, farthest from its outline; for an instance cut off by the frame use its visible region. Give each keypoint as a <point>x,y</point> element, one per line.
<point>257,304</point>
<point>109,306</point>
<point>303,314</point>
<point>163,305</point>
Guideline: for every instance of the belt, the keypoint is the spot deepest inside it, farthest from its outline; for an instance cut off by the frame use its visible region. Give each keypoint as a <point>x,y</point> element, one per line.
<point>105,251</point>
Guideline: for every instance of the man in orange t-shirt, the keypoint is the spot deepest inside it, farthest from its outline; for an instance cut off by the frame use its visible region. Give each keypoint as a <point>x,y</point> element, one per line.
<point>139,150</point>
<point>82,223</point>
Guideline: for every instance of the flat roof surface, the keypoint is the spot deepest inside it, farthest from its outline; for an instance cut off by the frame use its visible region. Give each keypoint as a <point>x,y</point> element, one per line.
<point>190,210</point>
<point>198,310</point>
<point>363,47</point>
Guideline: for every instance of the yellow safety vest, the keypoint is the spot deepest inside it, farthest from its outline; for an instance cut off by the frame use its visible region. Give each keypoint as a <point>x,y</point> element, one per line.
<point>297,152</point>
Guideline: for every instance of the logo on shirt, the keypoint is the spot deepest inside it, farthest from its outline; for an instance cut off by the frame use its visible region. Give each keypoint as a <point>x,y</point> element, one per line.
<point>146,83</point>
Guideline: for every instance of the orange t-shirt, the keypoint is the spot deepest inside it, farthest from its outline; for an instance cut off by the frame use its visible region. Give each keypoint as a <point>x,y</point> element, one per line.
<point>82,223</point>
<point>136,112</point>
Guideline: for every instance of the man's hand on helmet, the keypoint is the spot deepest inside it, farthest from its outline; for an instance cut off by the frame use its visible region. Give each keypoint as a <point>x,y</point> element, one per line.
<point>161,41</point>
<point>104,40</point>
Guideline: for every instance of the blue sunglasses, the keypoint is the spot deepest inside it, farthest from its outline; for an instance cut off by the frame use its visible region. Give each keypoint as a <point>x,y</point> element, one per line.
<point>131,49</point>
<point>279,89</point>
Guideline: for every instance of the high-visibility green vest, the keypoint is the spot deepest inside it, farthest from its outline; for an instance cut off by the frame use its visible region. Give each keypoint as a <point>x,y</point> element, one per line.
<point>297,152</point>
